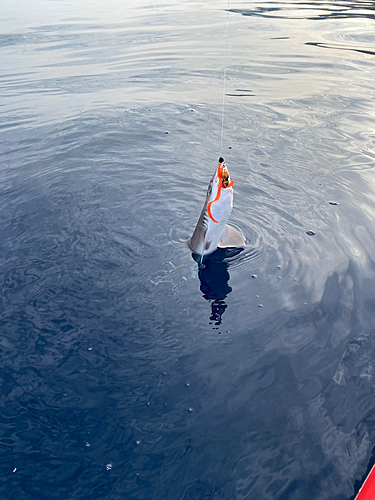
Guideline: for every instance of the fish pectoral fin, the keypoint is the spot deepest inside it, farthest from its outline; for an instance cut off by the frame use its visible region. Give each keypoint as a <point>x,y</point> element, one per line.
<point>231,238</point>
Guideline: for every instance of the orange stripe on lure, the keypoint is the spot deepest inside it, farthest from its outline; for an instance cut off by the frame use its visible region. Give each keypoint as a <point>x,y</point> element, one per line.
<point>220,175</point>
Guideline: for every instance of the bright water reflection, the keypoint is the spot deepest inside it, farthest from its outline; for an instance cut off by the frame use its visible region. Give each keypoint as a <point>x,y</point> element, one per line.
<point>126,372</point>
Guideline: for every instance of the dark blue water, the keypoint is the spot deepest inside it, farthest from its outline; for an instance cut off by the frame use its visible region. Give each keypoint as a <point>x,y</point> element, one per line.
<point>126,372</point>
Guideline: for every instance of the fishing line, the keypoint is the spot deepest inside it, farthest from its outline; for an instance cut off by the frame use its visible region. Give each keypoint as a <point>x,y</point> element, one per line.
<point>225,74</point>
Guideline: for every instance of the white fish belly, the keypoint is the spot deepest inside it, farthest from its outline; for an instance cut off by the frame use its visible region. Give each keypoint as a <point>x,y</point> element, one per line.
<point>220,211</point>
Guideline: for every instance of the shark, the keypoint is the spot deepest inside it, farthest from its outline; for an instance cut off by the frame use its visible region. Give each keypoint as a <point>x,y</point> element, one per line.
<point>212,230</point>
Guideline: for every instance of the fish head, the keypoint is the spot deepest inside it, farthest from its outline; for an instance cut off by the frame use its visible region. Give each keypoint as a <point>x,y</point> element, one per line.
<point>220,195</point>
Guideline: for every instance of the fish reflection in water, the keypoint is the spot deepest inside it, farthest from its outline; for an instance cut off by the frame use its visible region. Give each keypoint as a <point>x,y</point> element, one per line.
<point>214,277</point>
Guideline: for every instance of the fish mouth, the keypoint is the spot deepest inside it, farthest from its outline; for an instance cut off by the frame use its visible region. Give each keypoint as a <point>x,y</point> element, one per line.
<point>223,174</point>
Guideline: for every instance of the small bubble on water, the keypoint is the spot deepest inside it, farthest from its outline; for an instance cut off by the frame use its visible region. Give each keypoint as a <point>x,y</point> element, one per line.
<point>311,233</point>
<point>109,466</point>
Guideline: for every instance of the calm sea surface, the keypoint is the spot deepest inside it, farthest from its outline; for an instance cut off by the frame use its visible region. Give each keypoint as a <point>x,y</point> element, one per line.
<point>126,372</point>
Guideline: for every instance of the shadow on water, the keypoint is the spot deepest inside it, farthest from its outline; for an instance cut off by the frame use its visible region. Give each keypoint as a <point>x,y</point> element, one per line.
<point>327,10</point>
<point>341,47</point>
<point>214,276</point>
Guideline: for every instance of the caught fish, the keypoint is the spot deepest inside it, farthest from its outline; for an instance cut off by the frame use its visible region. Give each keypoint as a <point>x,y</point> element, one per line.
<point>212,230</point>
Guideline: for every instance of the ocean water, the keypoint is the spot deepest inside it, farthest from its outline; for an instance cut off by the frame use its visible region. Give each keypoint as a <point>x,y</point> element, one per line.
<point>125,371</point>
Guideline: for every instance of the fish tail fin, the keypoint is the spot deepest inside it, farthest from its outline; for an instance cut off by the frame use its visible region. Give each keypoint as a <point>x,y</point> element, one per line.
<point>231,239</point>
